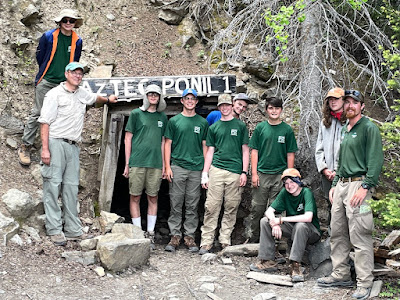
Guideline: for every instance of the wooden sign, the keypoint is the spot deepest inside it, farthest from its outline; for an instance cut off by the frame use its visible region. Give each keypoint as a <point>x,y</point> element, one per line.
<point>132,88</point>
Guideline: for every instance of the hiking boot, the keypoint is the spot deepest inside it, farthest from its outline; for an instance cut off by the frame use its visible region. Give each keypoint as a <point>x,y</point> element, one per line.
<point>58,239</point>
<point>361,293</point>
<point>173,243</point>
<point>297,273</point>
<point>264,266</point>
<point>150,235</point>
<point>83,236</point>
<point>205,249</point>
<point>24,155</point>
<point>332,281</point>
<point>279,258</point>
<point>191,244</point>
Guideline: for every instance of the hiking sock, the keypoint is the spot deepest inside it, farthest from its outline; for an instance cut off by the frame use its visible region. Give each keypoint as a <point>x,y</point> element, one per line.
<point>137,222</point>
<point>151,222</point>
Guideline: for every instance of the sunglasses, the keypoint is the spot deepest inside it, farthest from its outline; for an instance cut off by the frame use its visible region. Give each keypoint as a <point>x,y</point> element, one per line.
<point>352,92</point>
<point>66,20</point>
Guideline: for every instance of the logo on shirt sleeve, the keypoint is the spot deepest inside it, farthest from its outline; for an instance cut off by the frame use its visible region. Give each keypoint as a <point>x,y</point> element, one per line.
<point>281,139</point>
<point>234,132</point>
<point>160,124</point>
<point>196,129</point>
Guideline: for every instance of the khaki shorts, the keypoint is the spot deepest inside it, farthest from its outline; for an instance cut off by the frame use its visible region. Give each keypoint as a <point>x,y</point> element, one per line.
<point>144,178</point>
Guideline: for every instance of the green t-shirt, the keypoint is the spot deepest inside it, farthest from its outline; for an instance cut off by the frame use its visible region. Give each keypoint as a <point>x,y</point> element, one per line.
<point>187,134</point>
<point>55,73</point>
<point>297,205</point>
<point>228,137</point>
<point>147,129</point>
<point>273,143</point>
<point>360,152</point>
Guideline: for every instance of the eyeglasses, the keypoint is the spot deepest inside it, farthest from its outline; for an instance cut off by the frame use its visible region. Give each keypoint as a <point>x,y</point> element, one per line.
<point>189,98</point>
<point>352,92</point>
<point>152,95</point>
<point>76,74</point>
<point>66,20</point>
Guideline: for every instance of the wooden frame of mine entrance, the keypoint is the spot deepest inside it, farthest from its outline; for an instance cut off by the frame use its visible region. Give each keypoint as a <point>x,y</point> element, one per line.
<point>130,96</point>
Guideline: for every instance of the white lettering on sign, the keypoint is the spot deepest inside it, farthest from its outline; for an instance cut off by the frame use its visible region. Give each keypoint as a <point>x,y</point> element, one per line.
<point>171,86</point>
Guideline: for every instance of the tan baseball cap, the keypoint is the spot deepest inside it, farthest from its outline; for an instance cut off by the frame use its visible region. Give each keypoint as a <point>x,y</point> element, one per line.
<point>224,99</point>
<point>291,172</point>
<point>335,93</point>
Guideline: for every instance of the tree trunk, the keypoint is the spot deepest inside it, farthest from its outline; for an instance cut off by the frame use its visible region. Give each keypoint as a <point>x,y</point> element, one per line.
<point>309,96</point>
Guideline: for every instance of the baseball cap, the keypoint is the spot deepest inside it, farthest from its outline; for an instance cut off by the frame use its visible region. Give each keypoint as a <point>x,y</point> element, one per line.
<point>241,96</point>
<point>73,66</point>
<point>335,93</point>
<point>224,99</point>
<point>189,91</point>
<point>356,95</point>
<point>291,172</point>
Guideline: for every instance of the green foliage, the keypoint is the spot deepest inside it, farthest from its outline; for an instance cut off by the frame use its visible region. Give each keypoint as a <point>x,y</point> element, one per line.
<point>168,45</point>
<point>387,210</point>
<point>356,4</point>
<point>391,290</point>
<point>391,130</point>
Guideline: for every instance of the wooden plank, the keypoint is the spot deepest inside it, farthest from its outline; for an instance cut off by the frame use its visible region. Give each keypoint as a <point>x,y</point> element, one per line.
<point>376,288</point>
<point>392,239</point>
<point>269,278</point>
<point>379,252</point>
<point>110,161</point>
<point>243,249</point>
<point>393,263</point>
<point>394,252</point>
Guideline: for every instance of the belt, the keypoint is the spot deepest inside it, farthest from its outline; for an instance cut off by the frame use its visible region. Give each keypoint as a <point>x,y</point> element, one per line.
<point>351,179</point>
<point>71,142</point>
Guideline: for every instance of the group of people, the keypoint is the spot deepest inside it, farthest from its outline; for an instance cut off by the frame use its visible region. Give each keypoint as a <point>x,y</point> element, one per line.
<point>192,152</point>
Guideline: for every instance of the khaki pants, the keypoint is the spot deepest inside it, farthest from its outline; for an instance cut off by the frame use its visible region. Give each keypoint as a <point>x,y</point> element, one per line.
<point>222,184</point>
<point>184,189</point>
<point>351,226</point>
<point>263,196</point>
<point>62,177</point>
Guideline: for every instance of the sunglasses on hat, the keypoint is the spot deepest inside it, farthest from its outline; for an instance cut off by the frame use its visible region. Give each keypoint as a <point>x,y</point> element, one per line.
<point>352,92</point>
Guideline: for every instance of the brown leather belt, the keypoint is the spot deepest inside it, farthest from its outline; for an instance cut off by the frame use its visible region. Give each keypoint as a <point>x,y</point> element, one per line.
<point>351,179</point>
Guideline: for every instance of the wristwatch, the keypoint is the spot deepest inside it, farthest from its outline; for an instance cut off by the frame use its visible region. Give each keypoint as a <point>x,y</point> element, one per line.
<point>365,186</point>
<point>244,172</point>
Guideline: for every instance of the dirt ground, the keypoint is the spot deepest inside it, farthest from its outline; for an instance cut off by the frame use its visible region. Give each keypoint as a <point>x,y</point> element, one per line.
<point>38,272</point>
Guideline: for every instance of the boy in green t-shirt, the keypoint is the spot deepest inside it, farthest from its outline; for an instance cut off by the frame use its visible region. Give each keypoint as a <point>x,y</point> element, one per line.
<point>301,225</point>
<point>185,148</point>
<point>273,146</point>
<point>144,143</point>
<point>226,162</point>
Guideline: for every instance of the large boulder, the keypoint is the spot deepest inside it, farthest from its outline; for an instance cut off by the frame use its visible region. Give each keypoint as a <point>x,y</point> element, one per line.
<point>258,67</point>
<point>20,204</point>
<point>8,228</point>
<point>107,220</point>
<point>118,255</point>
<point>129,230</point>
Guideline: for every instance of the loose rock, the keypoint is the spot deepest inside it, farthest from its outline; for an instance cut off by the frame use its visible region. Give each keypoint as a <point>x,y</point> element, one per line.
<point>84,258</point>
<point>265,296</point>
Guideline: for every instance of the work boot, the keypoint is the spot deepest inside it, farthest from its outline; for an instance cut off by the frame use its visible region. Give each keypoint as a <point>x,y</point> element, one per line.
<point>264,266</point>
<point>205,249</point>
<point>24,155</point>
<point>83,236</point>
<point>330,281</point>
<point>150,235</point>
<point>297,273</point>
<point>361,293</point>
<point>173,243</point>
<point>191,244</point>
<point>58,239</point>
